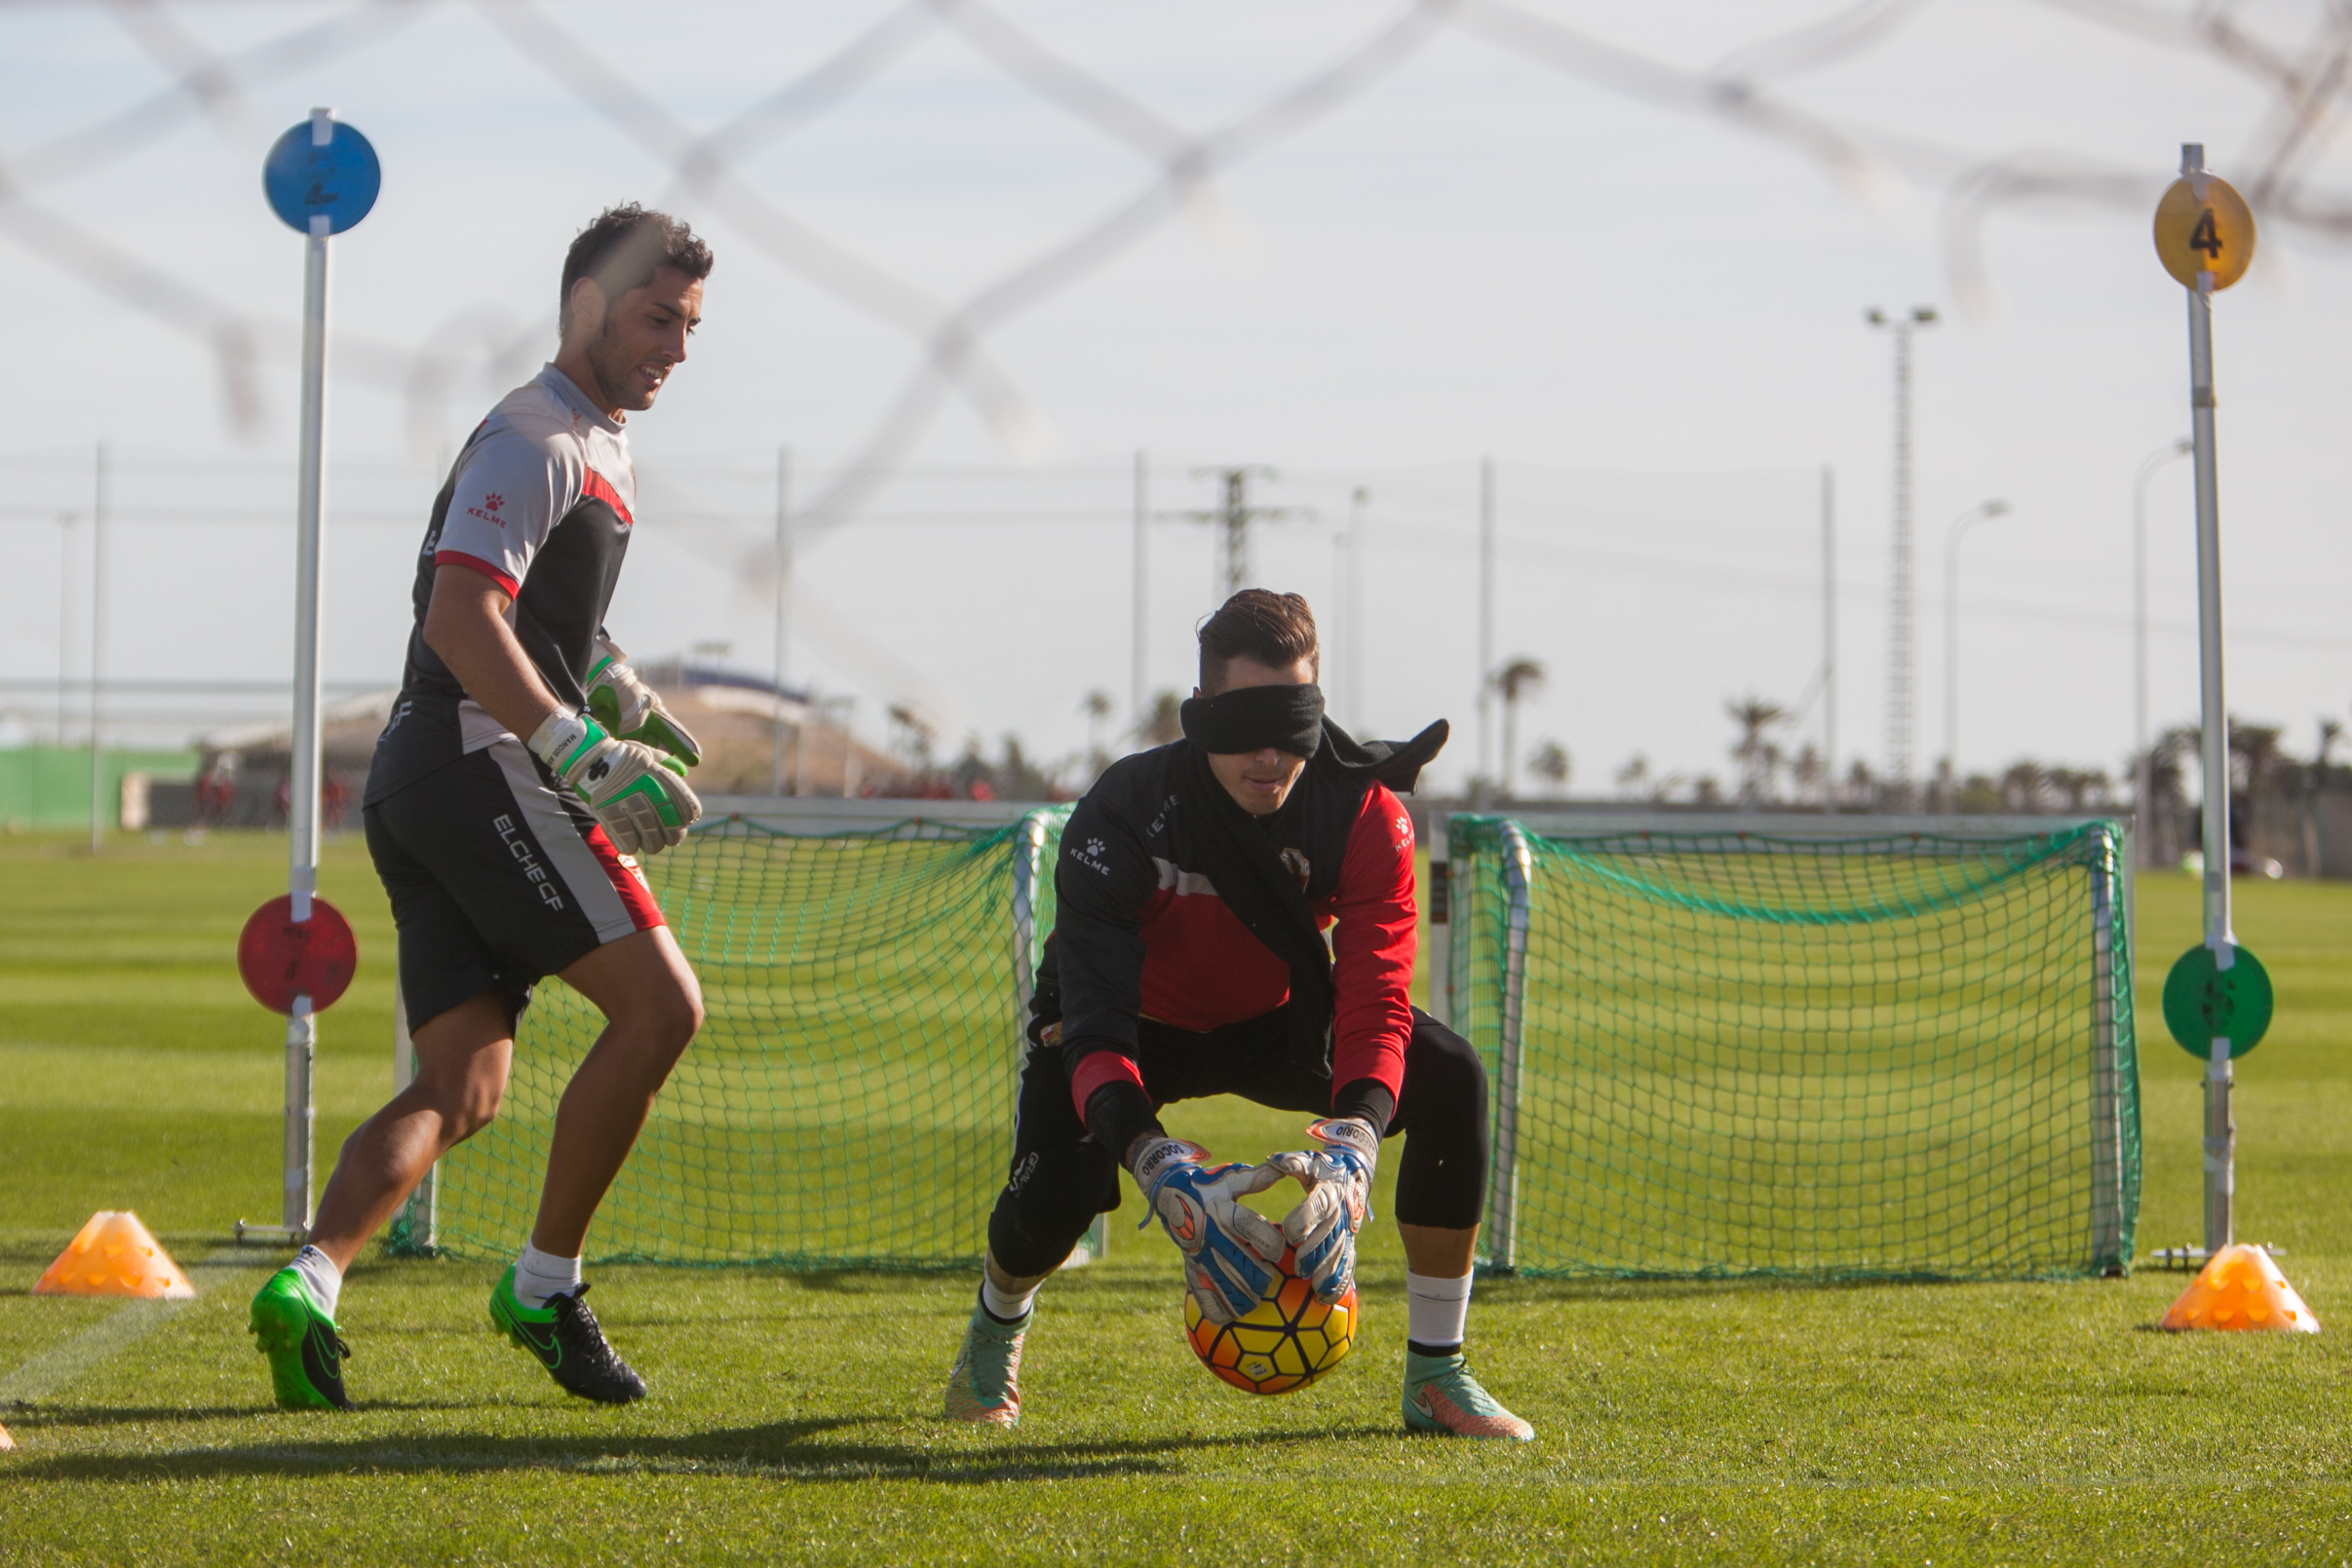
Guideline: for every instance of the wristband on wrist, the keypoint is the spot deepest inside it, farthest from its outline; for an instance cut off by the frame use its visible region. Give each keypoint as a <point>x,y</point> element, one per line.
<point>562,736</point>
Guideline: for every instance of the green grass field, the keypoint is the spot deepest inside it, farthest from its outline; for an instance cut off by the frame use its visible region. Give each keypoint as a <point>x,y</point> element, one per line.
<point>791,1417</point>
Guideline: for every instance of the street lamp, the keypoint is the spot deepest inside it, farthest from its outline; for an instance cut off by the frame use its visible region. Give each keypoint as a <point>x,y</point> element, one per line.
<point>1900,605</point>
<point>2144,782</point>
<point>1982,511</point>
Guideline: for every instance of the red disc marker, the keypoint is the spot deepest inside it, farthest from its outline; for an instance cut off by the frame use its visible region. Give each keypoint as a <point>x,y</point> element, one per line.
<point>282,958</point>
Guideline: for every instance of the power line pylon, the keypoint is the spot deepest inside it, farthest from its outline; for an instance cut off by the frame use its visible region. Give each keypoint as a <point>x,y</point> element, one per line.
<point>1236,515</point>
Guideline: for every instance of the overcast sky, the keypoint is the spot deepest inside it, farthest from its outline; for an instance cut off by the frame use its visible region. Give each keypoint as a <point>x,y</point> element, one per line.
<point>1646,310</point>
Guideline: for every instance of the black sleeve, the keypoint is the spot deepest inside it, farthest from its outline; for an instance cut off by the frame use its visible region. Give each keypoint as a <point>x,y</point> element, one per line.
<point>1366,1099</point>
<point>1102,881</point>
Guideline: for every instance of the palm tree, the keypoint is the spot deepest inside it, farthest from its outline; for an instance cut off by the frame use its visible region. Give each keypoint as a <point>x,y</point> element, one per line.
<point>2021,784</point>
<point>1632,779</point>
<point>1809,772</point>
<point>1097,707</point>
<point>1164,724</point>
<point>2330,732</point>
<point>1515,681</point>
<point>1758,758</point>
<point>1550,764</point>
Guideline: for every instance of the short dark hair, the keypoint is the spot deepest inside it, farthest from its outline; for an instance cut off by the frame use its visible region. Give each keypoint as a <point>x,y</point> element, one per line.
<point>1276,629</point>
<point>624,248</point>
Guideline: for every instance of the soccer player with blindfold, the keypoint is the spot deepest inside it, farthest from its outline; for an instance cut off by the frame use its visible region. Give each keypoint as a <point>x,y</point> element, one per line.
<point>1189,958</point>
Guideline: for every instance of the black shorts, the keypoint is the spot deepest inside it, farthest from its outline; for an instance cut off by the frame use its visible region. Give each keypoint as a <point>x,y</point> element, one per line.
<point>1060,1178</point>
<point>498,879</point>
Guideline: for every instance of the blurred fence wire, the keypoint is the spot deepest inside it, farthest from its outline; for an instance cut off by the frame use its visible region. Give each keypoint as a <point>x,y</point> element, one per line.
<point>2297,58</point>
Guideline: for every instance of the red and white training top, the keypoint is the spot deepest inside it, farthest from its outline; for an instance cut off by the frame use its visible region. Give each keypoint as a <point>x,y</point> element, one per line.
<point>541,503</point>
<point>1140,933</point>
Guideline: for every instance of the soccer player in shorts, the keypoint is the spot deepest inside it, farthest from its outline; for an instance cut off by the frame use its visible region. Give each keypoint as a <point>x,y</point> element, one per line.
<point>1189,958</point>
<point>523,766</point>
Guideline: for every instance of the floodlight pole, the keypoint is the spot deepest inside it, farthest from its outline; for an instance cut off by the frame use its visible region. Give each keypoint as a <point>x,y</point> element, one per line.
<point>1899,598</point>
<point>1482,787</point>
<point>784,589</point>
<point>2220,1131</point>
<point>1829,638</point>
<point>1139,563</point>
<point>1352,663</point>
<point>2143,784</point>
<point>99,500</point>
<point>1983,511</point>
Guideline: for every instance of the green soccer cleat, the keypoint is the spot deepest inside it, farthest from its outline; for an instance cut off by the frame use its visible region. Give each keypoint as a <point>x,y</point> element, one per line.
<point>565,1337</point>
<point>1441,1395</point>
<point>305,1353</point>
<point>984,1387</point>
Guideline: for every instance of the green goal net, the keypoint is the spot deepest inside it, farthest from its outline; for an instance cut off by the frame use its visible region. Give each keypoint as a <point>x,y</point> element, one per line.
<point>1729,1053</point>
<point>849,1100</point>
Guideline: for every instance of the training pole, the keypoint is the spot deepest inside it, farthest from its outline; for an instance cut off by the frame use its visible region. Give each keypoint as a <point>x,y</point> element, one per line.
<point>2221,1131</point>
<point>302,803</point>
<point>321,178</point>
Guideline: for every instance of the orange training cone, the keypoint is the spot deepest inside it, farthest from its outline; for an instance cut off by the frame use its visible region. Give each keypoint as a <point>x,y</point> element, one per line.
<point>114,1256</point>
<point>2241,1288</point>
<point>6,1441</point>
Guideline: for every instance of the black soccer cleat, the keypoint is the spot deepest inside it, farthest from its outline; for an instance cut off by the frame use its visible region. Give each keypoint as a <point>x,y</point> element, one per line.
<point>564,1336</point>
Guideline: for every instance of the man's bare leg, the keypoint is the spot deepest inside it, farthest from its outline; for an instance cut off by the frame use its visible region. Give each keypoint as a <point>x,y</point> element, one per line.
<point>1013,1285</point>
<point>653,1006</point>
<point>1440,1392</point>
<point>1440,1254</point>
<point>462,1059</point>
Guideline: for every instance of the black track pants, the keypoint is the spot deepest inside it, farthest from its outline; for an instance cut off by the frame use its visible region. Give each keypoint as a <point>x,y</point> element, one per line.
<point>1060,1178</point>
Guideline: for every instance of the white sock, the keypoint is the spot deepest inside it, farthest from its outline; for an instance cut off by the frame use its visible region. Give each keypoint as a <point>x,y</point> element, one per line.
<point>1436,1310</point>
<point>540,1274</point>
<point>1005,1308</point>
<point>321,1280</point>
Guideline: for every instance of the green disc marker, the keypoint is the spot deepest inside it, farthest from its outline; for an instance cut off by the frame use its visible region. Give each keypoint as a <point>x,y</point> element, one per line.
<point>2202,1002</point>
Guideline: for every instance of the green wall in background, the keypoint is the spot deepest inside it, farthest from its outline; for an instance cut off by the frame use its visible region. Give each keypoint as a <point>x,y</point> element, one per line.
<point>49,786</point>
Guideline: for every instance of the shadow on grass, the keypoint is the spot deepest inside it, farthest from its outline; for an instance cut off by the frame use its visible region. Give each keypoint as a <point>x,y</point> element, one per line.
<point>38,1418</point>
<point>780,1450</point>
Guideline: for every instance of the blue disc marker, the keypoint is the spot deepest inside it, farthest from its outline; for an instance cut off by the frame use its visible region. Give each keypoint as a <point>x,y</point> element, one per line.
<point>338,181</point>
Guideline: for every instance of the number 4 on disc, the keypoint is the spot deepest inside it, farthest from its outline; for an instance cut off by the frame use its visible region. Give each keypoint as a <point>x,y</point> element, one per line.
<point>2213,234</point>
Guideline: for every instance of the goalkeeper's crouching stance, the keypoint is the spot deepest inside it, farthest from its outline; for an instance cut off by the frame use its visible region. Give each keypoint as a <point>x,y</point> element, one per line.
<point>1188,959</point>
<point>523,763</point>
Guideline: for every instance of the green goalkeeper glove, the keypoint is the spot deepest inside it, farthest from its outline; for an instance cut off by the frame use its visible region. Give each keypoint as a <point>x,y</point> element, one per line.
<point>638,794</point>
<point>631,710</point>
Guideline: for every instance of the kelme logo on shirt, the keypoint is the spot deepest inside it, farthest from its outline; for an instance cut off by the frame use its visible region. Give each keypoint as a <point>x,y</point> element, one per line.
<point>487,512</point>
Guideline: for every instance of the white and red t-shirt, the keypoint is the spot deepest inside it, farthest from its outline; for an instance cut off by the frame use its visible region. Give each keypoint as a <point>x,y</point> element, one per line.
<point>540,502</point>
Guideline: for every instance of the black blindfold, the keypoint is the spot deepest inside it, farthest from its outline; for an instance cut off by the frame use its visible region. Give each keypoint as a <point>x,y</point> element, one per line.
<point>1253,718</point>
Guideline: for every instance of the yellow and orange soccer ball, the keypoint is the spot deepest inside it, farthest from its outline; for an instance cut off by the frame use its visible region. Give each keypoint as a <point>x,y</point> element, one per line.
<point>1284,1342</point>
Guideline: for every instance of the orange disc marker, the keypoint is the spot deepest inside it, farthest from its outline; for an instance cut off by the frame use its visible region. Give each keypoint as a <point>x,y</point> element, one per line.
<point>114,1255</point>
<point>2242,1289</point>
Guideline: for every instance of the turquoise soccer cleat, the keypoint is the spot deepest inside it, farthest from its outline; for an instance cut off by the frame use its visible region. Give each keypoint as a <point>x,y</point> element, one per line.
<point>984,1387</point>
<point>1441,1395</point>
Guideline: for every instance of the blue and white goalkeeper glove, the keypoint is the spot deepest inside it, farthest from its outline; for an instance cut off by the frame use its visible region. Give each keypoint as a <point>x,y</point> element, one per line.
<point>1230,1249</point>
<point>1339,1179</point>
<point>638,794</point>
<point>631,710</point>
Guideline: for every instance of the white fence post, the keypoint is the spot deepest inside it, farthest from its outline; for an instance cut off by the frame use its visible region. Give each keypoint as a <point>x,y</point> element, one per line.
<point>1502,1201</point>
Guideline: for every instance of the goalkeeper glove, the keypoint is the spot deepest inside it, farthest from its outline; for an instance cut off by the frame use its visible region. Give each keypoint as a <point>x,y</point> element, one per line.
<point>631,710</point>
<point>1339,1179</point>
<point>638,794</point>
<point>1230,1251</point>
